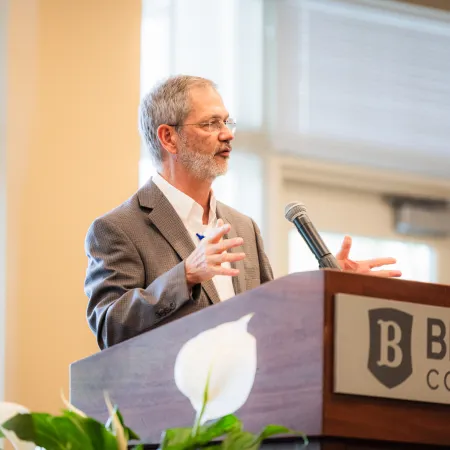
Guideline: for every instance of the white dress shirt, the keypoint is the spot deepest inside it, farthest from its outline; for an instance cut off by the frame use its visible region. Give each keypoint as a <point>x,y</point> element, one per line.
<point>191,214</point>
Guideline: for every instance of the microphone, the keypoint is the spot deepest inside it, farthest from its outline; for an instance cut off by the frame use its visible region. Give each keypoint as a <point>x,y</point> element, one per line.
<point>296,213</point>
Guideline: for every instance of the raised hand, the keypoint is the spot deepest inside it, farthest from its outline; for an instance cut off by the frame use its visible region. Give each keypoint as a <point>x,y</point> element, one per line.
<point>364,267</point>
<point>206,260</point>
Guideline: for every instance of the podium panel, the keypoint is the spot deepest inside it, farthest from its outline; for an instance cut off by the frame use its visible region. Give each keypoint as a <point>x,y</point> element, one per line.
<point>294,324</point>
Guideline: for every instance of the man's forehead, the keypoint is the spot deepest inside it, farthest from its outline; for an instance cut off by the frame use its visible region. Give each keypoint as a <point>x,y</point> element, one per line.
<point>205,100</point>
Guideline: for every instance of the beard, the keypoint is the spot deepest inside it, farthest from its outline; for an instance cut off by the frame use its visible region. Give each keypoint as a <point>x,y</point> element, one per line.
<point>203,166</point>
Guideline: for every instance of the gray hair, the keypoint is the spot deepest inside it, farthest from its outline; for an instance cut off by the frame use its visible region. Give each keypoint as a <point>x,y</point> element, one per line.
<point>166,103</point>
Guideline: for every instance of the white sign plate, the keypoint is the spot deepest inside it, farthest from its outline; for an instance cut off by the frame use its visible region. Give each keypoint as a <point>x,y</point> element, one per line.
<point>391,349</point>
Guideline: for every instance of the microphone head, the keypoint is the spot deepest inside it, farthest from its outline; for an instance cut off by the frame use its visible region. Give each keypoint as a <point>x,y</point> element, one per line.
<point>294,210</point>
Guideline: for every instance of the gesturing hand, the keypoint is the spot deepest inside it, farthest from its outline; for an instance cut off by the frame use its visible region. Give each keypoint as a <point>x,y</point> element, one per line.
<point>364,267</point>
<point>205,261</point>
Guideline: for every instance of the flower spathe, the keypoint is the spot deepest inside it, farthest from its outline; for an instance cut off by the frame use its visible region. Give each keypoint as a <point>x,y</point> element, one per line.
<point>7,411</point>
<point>223,359</point>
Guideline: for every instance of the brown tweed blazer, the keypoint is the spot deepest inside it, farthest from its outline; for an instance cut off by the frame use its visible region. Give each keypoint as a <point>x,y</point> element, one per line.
<point>135,278</point>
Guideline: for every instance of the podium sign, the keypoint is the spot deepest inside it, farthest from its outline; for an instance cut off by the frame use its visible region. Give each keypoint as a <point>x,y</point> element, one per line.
<point>391,349</point>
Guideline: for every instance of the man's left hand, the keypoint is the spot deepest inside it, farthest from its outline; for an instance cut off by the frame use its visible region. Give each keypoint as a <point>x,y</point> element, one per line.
<point>364,267</point>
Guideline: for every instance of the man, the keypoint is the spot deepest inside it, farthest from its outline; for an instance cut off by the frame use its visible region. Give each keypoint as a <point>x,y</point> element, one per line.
<point>171,249</point>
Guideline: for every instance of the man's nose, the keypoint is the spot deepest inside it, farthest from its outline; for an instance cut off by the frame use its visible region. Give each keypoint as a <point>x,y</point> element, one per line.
<point>226,134</point>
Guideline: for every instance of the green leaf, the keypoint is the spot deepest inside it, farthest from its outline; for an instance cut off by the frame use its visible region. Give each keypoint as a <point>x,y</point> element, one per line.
<point>43,430</point>
<point>97,435</point>
<point>176,439</point>
<point>271,430</point>
<point>129,433</point>
<point>239,440</point>
<point>243,440</point>
<point>1,434</point>
<point>139,447</point>
<point>183,439</point>
<point>61,432</point>
<point>222,426</point>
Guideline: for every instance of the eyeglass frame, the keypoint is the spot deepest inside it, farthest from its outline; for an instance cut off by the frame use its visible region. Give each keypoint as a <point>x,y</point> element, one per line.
<point>223,123</point>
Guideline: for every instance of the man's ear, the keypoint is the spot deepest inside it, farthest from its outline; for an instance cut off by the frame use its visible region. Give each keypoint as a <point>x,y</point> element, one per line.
<point>168,138</point>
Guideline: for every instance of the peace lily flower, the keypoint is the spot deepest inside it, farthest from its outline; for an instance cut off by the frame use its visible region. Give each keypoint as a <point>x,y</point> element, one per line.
<point>7,411</point>
<point>216,369</point>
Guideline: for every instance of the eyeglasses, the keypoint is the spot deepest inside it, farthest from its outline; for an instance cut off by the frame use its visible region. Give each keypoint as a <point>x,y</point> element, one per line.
<point>213,126</point>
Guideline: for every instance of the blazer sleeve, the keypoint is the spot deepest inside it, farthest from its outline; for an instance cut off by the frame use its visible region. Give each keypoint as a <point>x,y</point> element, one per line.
<point>120,305</point>
<point>265,269</point>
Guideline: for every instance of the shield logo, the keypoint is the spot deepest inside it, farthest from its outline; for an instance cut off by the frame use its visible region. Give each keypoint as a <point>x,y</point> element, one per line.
<point>390,360</point>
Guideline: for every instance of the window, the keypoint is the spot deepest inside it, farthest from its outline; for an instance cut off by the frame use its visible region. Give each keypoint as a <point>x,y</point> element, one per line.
<point>175,39</point>
<point>242,187</point>
<point>416,261</point>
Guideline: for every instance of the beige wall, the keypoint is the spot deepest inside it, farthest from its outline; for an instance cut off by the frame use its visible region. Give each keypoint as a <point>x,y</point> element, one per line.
<point>3,21</point>
<point>72,153</point>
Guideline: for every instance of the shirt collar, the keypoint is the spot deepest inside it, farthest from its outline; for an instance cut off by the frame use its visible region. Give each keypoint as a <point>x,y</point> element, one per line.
<point>186,207</point>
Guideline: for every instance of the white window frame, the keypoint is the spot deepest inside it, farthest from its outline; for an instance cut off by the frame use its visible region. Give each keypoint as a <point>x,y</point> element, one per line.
<point>280,169</point>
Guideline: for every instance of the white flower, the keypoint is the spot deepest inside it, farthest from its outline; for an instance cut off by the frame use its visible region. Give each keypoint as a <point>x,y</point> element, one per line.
<point>225,358</point>
<point>8,411</point>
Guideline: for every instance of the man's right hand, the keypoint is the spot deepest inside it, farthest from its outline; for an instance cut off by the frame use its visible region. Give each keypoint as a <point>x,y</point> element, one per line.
<point>206,260</point>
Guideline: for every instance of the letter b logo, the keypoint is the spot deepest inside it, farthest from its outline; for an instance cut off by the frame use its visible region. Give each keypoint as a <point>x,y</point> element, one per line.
<point>390,346</point>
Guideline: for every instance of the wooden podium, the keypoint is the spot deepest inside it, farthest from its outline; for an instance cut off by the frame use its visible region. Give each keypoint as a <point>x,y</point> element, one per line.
<point>294,325</point>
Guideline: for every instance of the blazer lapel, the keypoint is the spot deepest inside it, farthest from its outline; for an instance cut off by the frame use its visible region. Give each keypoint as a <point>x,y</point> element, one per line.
<point>211,291</point>
<point>165,218</point>
<point>239,280</point>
